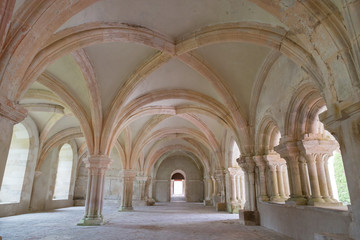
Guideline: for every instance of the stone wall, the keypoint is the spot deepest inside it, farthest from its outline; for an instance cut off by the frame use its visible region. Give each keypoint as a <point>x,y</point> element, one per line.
<point>302,222</point>
<point>194,185</point>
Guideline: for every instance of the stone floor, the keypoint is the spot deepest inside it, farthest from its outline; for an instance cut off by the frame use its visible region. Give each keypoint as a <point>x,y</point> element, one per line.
<point>175,221</point>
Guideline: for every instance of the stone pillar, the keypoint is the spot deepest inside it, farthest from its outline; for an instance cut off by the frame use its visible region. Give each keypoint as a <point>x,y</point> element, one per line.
<point>97,166</point>
<point>279,170</point>
<point>314,180</point>
<point>149,192</point>
<point>238,188</point>
<point>248,166</point>
<point>10,114</point>
<point>286,180</point>
<point>208,191</point>
<point>220,180</point>
<point>344,123</point>
<point>273,160</point>
<point>260,163</point>
<point>128,183</point>
<point>236,202</point>
<point>316,148</point>
<point>289,151</point>
<point>304,176</point>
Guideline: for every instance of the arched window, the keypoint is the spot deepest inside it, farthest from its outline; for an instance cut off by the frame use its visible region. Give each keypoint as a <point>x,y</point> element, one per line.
<point>15,168</point>
<point>63,174</point>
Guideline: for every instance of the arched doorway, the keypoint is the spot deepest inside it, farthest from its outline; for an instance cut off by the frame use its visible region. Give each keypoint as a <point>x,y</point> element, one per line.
<point>177,186</point>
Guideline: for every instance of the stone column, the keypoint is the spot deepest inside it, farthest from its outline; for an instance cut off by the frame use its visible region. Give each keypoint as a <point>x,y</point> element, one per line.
<point>10,114</point>
<point>248,166</point>
<point>314,180</point>
<point>260,163</point>
<point>128,183</point>
<point>304,176</point>
<point>289,151</point>
<point>97,166</point>
<point>316,148</point>
<point>273,160</point>
<point>286,180</point>
<point>344,123</point>
<point>220,180</point>
<point>208,190</point>
<point>320,164</point>
<point>235,189</point>
<point>141,185</point>
<point>281,181</point>
<point>238,188</point>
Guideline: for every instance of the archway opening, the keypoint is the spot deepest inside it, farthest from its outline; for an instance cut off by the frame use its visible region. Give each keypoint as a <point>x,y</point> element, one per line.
<point>177,187</point>
<point>15,166</point>
<point>63,176</point>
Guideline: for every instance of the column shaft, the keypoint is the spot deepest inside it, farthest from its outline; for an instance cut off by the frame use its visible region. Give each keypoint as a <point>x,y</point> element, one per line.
<point>97,166</point>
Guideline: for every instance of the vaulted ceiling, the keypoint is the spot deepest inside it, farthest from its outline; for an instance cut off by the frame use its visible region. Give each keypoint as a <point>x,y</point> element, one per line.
<point>172,76</point>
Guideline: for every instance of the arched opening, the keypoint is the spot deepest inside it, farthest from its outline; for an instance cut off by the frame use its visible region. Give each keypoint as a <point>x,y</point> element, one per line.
<point>63,174</point>
<point>12,184</point>
<point>177,186</point>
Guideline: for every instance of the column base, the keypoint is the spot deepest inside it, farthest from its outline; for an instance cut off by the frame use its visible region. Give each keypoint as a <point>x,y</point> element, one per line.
<point>125,209</point>
<point>220,206</point>
<point>249,218</point>
<point>315,201</point>
<point>208,203</point>
<point>85,221</point>
<point>150,202</point>
<point>235,207</point>
<point>277,199</point>
<point>296,200</point>
<point>264,198</point>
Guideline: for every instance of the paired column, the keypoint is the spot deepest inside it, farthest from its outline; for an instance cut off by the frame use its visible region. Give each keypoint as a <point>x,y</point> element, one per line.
<point>208,190</point>
<point>10,114</point>
<point>260,163</point>
<point>248,166</point>
<point>277,179</point>
<point>97,166</point>
<point>128,177</point>
<point>288,150</point>
<point>236,195</point>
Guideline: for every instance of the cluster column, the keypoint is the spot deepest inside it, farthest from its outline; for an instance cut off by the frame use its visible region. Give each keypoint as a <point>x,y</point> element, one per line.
<point>260,163</point>
<point>208,190</point>
<point>236,199</point>
<point>248,166</point>
<point>289,151</point>
<point>278,178</point>
<point>97,166</point>
<point>317,149</point>
<point>128,177</point>
<point>220,199</point>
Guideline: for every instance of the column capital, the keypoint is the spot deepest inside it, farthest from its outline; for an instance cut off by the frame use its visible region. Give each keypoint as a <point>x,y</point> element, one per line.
<point>246,163</point>
<point>234,171</point>
<point>287,149</point>
<point>317,144</point>
<point>98,162</point>
<point>11,111</point>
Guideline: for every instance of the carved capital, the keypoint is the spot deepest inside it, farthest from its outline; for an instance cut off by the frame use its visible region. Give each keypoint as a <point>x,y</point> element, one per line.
<point>246,163</point>
<point>234,171</point>
<point>98,162</point>
<point>11,111</point>
<point>128,174</point>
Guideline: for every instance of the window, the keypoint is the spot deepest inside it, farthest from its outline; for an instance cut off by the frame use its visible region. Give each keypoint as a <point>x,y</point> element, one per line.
<point>15,165</point>
<point>63,175</point>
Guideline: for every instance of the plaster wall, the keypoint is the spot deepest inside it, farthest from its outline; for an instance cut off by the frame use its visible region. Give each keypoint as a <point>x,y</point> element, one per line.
<point>302,222</point>
<point>194,185</point>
